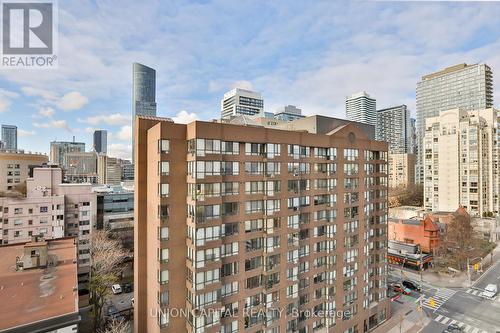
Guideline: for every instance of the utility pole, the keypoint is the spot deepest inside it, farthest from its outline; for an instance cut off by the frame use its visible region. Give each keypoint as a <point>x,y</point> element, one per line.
<point>468,271</point>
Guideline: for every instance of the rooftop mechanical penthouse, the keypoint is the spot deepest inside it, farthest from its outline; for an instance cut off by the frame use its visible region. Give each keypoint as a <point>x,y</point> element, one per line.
<point>258,229</point>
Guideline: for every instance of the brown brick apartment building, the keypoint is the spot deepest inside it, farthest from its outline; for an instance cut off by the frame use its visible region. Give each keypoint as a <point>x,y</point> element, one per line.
<point>255,229</point>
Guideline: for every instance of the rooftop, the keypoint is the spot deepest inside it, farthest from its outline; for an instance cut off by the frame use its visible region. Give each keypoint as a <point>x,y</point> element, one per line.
<point>38,294</point>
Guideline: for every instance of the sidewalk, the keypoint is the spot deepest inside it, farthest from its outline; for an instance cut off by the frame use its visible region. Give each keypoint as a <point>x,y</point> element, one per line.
<point>404,319</point>
<point>459,280</point>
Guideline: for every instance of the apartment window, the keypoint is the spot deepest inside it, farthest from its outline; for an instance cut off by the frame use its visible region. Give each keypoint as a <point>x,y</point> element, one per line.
<point>18,210</point>
<point>254,282</point>
<point>163,298</point>
<point>163,211</point>
<point>230,188</point>
<point>206,299</point>
<point>327,153</point>
<point>229,269</point>
<point>44,209</point>
<point>18,222</point>
<point>207,234</point>
<point>351,154</point>
<point>205,278</point>
<point>255,149</point>
<point>297,151</point>
<point>207,212</point>
<point>207,168</point>
<point>254,206</point>
<point>254,225</point>
<point>254,244</point>
<point>253,263</point>
<point>163,233</point>
<point>207,146</point>
<point>164,190</point>
<point>254,168</point>
<point>164,146</point>
<point>163,255</point>
<point>351,169</point>
<point>207,256</point>
<point>229,229</point>
<point>229,289</point>
<point>163,318</point>
<point>273,150</point>
<point>164,168</point>
<point>256,187</point>
<point>230,148</point>
<point>229,208</point>
<point>17,233</point>
<point>231,327</point>
<point>230,168</point>
<point>229,249</point>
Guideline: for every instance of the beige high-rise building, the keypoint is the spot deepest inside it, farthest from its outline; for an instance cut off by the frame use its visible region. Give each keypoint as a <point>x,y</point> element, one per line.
<point>255,229</point>
<point>401,170</point>
<point>461,161</point>
<point>15,167</point>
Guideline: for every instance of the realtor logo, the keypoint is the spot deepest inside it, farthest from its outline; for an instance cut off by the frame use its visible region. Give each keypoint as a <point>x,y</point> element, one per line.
<point>28,34</point>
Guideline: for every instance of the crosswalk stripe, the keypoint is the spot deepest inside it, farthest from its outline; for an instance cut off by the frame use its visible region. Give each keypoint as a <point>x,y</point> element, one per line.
<point>467,328</point>
<point>445,320</point>
<point>438,318</point>
<point>475,330</point>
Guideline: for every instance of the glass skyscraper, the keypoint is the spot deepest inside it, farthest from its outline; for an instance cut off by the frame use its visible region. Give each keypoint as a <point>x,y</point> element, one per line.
<point>143,94</point>
<point>101,141</point>
<point>9,137</point>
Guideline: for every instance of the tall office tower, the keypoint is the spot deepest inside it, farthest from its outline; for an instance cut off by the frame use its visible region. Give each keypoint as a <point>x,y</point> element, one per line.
<point>282,223</point>
<point>468,87</point>
<point>238,102</point>
<point>58,149</point>
<point>361,107</point>
<point>461,161</point>
<point>143,95</point>
<point>101,141</point>
<point>289,113</point>
<point>394,127</point>
<point>9,137</point>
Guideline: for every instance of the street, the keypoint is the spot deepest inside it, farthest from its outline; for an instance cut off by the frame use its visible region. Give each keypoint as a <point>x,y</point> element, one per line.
<point>464,307</point>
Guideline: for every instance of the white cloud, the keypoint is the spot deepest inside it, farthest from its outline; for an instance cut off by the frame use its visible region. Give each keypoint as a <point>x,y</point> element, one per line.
<point>46,112</point>
<point>39,92</point>
<point>72,101</point>
<point>59,124</point>
<point>6,97</point>
<point>23,133</point>
<point>225,85</point>
<point>114,119</point>
<point>120,150</point>
<point>68,102</point>
<point>125,133</point>
<point>185,117</point>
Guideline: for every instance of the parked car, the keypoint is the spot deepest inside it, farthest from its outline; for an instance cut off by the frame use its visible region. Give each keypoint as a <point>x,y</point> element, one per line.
<point>490,291</point>
<point>116,288</point>
<point>411,285</point>
<point>401,289</point>
<point>128,288</point>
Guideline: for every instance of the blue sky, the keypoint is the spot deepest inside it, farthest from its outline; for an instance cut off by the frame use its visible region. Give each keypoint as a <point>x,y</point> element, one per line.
<point>311,54</point>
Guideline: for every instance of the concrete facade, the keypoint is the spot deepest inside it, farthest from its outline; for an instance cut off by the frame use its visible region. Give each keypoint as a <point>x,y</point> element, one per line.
<point>401,170</point>
<point>15,167</point>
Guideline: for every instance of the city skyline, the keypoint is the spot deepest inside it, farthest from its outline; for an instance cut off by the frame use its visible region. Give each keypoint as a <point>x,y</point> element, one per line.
<point>92,88</point>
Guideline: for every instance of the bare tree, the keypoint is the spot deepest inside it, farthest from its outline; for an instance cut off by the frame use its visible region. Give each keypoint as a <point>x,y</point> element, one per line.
<point>117,326</point>
<point>107,255</point>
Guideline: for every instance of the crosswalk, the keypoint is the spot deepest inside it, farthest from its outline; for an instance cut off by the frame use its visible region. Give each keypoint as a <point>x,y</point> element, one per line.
<point>437,300</point>
<point>477,292</point>
<point>465,327</point>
